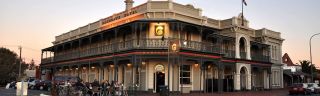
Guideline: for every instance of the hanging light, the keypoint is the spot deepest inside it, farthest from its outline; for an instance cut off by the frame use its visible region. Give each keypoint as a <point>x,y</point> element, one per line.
<point>196,65</point>
<point>129,64</point>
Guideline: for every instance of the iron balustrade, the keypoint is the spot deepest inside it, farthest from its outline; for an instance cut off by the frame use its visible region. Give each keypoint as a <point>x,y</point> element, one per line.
<point>260,57</point>
<point>149,43</point>
<point>229,53</point>
<point>243,55</point>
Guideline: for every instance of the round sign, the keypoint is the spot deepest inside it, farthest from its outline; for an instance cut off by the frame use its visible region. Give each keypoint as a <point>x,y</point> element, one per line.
<point>159,68</point>
<point>174,47</point>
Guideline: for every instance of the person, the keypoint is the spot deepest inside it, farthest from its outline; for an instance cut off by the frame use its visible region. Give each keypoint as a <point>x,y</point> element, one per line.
<point>80,87</point>
<point>95,87</point>
<point>104,88</point>
<point>108,87</point>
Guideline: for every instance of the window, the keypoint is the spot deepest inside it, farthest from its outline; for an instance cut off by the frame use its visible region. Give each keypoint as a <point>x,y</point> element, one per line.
<point>276,78</point>
<point>185,74</point>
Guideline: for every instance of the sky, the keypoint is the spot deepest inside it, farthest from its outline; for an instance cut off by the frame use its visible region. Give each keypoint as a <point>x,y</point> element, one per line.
<point>33,24</point>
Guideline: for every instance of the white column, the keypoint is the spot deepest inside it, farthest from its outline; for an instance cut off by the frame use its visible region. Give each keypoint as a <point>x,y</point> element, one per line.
<point>171,78</point>
<point>249,80</point>
<point>237,81</point>
<point>237,48</point>
<point>248,49</point>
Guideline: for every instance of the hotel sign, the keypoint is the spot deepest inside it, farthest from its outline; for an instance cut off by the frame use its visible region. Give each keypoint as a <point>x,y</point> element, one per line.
<point>159,30</point>
<point>174,46</point>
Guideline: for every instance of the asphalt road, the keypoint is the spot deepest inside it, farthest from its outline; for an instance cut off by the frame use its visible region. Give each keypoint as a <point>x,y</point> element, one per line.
<point>12,92</point>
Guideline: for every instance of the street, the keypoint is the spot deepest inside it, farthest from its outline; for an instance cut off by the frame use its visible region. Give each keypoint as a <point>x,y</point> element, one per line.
<point>277,92</point>
<point>12,92</point>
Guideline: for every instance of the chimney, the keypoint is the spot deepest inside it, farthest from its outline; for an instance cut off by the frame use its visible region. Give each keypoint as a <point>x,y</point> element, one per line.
<point>129,4</point>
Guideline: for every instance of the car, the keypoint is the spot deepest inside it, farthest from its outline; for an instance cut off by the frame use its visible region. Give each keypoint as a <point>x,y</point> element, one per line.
<point>43,85</point>
<point>300,88</point>
<point>13,84</point>
<point>313,87</point>
<point>33,83</point>
<point>60,80</point>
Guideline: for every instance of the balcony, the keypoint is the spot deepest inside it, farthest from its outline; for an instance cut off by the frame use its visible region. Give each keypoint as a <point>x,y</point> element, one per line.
<point>130,45</point>
<point>260,57</point>
<point>229,53</point>
<point>243,55</point>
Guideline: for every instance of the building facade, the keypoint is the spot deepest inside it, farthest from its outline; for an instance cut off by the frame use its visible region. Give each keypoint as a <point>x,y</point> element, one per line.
<point>163,43</point>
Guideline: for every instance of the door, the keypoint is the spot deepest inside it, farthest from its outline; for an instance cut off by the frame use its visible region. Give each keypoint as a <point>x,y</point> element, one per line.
<point>159,82</point>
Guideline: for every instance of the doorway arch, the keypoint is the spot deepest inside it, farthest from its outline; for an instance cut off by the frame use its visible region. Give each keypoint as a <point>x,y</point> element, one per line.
<point>243,78</point>
<point>159,77</point>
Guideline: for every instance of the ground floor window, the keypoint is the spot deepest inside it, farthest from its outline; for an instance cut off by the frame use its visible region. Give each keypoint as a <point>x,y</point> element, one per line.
<point>185,74</point>
<point>276,77</point>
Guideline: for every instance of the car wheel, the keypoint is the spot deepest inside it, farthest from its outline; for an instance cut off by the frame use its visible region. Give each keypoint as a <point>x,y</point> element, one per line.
<point>41,87</point>
<point>305,93</point>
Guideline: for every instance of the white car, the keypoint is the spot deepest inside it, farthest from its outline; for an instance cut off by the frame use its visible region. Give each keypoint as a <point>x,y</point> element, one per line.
<point>314,87</point>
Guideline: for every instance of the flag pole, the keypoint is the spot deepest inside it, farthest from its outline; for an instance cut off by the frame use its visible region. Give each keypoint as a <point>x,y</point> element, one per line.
<point>242,12</point>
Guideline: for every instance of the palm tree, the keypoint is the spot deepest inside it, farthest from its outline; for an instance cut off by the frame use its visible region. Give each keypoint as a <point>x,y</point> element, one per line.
<point>307,66</point>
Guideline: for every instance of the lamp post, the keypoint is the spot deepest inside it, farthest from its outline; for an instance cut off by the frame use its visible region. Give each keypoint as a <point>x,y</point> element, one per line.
<point>311,55</point>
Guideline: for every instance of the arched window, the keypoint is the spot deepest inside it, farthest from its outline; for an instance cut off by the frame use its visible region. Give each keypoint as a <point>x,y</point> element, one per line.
<point>242,45</point>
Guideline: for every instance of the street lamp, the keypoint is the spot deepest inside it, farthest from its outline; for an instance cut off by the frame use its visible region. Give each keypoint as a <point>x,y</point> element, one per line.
<point>311,54</point>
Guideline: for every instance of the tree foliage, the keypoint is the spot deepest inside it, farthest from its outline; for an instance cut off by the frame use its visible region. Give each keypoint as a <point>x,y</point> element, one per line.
<point>9,66</point>
<point>307,67</point>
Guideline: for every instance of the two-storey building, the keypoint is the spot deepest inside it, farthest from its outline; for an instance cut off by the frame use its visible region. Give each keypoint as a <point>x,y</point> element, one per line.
<point>165,43</point>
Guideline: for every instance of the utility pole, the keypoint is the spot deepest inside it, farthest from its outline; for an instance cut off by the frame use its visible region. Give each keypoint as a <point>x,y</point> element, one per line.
<point>20,49</point>
<point>311,56</point>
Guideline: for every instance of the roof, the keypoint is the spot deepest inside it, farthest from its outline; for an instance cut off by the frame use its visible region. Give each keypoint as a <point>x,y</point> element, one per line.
<point>298,73</point>
<point>287,60</point>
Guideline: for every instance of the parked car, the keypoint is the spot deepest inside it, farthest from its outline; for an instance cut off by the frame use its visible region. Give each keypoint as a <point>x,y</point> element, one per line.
<point>43,85</point>
<point>60,80</point>
<point>33,83</point>
<point>313,87</point>
<point>300,88</point>
<point>13,84</point>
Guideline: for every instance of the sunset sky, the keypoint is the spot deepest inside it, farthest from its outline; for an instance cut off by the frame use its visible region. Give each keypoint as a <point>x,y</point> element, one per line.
<point>33,24</point>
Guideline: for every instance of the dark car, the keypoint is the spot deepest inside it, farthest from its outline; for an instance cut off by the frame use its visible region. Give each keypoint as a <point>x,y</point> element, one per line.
<point>299,88</point>
<point>43,85</point>
<point>33,83</point>
<point>13,84</point>
<point>60,80</point>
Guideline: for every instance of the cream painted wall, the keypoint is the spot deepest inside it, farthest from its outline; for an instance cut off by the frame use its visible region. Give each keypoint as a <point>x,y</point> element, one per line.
<point>196,77</point>
<point>237,79</point>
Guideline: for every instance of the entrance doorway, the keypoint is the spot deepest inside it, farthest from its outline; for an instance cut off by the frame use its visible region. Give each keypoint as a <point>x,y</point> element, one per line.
<point>243,78</point>
<point>159,80</point>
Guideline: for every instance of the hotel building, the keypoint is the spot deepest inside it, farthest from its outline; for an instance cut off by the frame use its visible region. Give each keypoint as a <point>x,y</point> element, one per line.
<point>164,43</point>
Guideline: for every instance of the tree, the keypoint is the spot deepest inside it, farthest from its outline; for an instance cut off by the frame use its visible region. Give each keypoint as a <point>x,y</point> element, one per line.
<point>9,66</point>
<point>307,66</point>
<point>32,65</point>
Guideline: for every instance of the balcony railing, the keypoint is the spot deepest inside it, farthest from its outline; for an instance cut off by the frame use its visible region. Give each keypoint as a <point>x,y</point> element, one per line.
<point>260,57</point>
<point>229,53</point>
<point>94,50</point>
<point>132,44</point>
<point>243,55</point>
